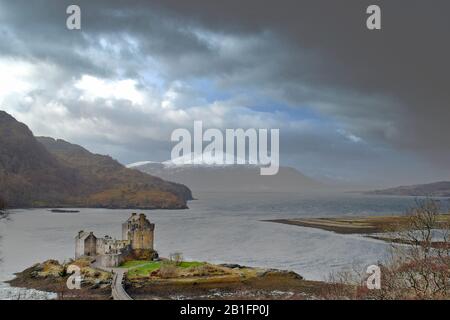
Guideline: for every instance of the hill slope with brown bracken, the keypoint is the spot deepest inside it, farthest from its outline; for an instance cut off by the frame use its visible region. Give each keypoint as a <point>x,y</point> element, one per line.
<point>44,172</point>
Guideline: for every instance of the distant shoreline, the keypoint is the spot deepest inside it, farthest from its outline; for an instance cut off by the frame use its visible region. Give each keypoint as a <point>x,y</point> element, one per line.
<point>352,225</point>
<point>370,226</point>
<point>355,225</point>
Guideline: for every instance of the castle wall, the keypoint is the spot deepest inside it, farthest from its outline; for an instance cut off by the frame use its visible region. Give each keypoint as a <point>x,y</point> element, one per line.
<point>85,245</point>
<point>142,239</point>
<point>112,260</point>
<point>79,248</point>
<point>111,246</point>
<point>125,228</point>
<point>90,246</point>
<point>109,260</point>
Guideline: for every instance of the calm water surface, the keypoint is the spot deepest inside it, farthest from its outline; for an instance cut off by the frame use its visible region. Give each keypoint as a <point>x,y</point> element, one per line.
<point>219,227</point>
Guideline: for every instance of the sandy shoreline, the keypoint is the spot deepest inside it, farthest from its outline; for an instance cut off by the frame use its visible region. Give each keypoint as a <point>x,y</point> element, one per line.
<point>360,225</point>
<point>383,228</point>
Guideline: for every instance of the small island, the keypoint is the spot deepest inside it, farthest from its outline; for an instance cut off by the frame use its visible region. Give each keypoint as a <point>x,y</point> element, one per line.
<point>130,268</point>
<point>64,211</point>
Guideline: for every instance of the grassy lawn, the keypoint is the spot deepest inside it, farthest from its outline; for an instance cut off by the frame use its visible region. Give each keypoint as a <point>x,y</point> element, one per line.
<point>188,264</point>
<point>143,268</point>
<point>137,263</point>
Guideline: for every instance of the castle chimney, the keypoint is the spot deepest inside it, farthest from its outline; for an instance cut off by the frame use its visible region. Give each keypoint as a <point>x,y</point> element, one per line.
<point>80,233</point>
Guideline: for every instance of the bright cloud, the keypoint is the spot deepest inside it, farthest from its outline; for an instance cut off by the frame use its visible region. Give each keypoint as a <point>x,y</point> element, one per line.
<point>14,76</point>
<point>93,88</point>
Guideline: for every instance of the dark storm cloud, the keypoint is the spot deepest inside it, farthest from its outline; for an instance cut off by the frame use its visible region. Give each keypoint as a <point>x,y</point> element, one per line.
<point>387,87</point>
<point>404,68</point>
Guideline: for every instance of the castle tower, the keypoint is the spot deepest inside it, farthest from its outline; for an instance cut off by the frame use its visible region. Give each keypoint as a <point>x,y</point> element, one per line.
<point>139,231</point>
<point>85,244</point>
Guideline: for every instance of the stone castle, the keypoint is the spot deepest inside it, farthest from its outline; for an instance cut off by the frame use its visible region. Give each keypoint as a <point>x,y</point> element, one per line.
<point>136,243</point>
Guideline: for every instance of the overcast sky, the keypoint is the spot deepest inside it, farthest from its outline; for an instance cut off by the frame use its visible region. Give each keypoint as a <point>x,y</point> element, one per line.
<point>366,107</point>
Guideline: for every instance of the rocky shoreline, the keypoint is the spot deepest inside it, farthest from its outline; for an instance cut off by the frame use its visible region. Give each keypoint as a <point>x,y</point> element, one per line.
<point>50,276</point>
<point>228,281</point>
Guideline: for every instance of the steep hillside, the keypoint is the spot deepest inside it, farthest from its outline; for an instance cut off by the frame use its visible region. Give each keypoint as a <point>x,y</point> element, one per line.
<point>49,173</point>
<point>29,174</point>
<point>103,175</point>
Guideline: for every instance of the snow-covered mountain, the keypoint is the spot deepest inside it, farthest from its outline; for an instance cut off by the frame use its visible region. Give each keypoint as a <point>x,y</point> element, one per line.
<point>192,159</point>
<point>201,174</point>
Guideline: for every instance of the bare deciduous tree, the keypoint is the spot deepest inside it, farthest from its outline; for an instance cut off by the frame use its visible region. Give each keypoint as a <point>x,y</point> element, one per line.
<point>176,258</point>
<point>418,266</point>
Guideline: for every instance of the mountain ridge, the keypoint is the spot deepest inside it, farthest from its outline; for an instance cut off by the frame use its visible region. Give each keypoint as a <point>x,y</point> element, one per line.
<point>434,189</point>
<point>229,177</point>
